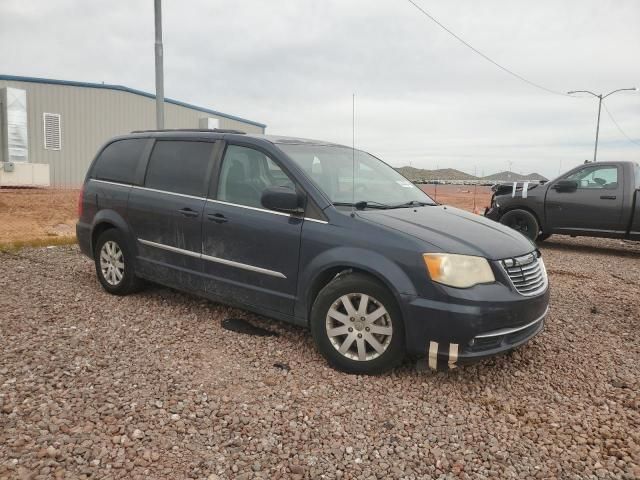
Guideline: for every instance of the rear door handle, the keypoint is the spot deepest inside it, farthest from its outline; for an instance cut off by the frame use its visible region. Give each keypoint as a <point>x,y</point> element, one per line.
<point>217,217</point>
<point>608,197</point>
<point>187,212</point>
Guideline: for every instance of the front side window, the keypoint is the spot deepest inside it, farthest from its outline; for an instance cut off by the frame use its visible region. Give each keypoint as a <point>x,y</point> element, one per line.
<point>179,167</point>
<point>338,170</point>
<point>246,173</point>
<point>119,160</point>
<point>596,177</point>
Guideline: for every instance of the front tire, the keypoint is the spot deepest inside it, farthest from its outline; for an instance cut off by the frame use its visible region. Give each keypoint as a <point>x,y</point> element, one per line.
<point>357,325</point>
<point>114,263</point>
<point>523,221</point>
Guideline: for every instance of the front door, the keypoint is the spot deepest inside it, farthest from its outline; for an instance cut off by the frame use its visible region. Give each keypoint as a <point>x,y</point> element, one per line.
<point>596,205</point>
<point>166,213</point>
<point>250,254</point>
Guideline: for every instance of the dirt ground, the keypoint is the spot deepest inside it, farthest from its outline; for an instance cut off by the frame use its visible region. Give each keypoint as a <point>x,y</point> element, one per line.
<point>50,214</point>
<point>28,214</point>
<point>469,197</point>
<point>151,386</point>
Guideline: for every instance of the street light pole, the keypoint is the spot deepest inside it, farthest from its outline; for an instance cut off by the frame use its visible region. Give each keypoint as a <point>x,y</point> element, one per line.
<point>595,151</point>
<point>159,67</point>
<point>600,98</point>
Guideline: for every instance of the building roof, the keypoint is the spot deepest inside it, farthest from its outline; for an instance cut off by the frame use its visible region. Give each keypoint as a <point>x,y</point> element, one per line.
<point>106,86</point>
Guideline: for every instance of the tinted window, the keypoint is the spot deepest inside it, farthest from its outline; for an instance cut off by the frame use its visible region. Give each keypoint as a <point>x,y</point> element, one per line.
<point>246,173</point>
<point>118,162</point>
<point>596,177</point>
<point>179,167</point>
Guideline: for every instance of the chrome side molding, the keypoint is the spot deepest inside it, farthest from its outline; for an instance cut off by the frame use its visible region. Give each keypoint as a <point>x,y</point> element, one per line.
<point>210,258</point>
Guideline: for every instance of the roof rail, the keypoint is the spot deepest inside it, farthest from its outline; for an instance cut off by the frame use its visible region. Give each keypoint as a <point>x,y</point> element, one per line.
<point>211,130</point>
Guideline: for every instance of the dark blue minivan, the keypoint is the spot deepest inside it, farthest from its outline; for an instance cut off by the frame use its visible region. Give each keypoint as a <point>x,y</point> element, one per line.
<point>312,233</point>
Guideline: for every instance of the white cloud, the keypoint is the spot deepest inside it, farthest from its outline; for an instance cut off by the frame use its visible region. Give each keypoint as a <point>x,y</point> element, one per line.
<point>421,97</point>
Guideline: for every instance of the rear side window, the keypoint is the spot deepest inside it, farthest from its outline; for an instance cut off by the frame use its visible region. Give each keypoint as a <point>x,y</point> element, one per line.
<point>179,167</point>
<point>119,160</point>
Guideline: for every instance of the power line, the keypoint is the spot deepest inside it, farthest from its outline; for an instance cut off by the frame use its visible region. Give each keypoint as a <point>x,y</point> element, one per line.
<point>468,45</point>
<point>618,126</point>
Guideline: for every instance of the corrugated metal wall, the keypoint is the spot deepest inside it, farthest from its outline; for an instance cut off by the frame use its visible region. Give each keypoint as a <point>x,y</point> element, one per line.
<point>89,117</point>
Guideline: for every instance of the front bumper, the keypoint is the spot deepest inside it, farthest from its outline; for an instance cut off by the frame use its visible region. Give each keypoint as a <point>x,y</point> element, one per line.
<point>448,334</point>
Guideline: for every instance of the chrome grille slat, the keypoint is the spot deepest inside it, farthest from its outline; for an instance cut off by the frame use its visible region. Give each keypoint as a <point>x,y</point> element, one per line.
<point>526,273</point>
<point>530,288</point>
<point>522,269</point>
<point>526,279</point>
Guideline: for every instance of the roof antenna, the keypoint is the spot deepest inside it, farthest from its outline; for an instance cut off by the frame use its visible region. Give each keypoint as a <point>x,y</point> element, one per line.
<point>353,155</point>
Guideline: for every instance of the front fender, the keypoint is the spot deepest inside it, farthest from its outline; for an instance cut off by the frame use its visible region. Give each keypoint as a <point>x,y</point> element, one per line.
<point>374,263</point>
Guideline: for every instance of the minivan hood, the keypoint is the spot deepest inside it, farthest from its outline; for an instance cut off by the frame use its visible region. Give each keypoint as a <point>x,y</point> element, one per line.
<point>454,231</point>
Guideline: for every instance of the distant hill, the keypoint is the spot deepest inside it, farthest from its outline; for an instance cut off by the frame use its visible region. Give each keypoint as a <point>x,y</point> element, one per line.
<point>421,175</point>
<point>507,176</point>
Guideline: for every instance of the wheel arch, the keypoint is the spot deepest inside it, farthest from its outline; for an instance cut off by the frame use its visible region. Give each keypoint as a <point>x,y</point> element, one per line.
<point>394,280</point>
<point>106,220</point>
<point>535,214</point>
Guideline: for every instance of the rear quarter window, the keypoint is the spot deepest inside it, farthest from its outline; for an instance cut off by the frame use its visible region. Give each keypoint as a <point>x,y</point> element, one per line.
<point>179,167</point>
<point>119,160</point>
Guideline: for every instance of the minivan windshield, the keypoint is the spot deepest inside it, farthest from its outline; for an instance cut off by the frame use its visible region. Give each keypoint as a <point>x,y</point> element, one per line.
<point>377,185</point>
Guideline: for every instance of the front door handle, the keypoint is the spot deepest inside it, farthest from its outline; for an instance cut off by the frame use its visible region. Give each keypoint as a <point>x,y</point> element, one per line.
<point>607,197</point>
<point>217,217</point>
<point>187,212</point>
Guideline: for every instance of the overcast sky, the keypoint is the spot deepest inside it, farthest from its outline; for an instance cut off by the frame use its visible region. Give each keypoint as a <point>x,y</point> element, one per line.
<point>422,98</point>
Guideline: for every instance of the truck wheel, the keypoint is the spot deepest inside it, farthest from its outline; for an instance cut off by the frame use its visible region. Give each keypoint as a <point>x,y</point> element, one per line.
<point>542,237</point>
<point>523,221</point>
<point>114,264</point>
<point>357,326</point>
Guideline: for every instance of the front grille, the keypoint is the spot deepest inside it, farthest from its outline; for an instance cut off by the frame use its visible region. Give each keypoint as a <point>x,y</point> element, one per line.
<point>527,273</point>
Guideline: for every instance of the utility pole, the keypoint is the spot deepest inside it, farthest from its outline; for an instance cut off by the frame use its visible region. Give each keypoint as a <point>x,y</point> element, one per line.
<point>600,98</point>
<point>159,67</point>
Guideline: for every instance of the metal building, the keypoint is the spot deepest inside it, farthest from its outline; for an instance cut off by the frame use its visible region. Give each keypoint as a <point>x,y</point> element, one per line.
<point>50,130</point>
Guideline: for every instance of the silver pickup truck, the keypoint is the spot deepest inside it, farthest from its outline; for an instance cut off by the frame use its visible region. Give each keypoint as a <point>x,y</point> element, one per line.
<point>595,200</point>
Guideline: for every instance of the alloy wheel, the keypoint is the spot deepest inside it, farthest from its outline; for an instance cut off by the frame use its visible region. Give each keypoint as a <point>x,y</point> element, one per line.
<point>359,327</point>
<point>112,263</point>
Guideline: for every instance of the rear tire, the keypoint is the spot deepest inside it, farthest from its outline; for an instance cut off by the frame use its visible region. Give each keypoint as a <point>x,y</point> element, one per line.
<point>523,221</point>
<point>357,326</point>
<point>114,263</point>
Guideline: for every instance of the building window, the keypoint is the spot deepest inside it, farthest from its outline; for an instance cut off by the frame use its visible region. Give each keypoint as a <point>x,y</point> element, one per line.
<point>52,131</point>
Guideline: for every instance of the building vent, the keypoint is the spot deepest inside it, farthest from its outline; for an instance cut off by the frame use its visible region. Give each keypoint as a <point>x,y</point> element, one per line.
<point>52,131</point>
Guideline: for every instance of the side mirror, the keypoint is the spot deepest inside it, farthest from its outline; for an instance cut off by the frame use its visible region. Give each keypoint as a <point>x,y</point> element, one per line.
<point>282,199</point>
<point>565,185</point>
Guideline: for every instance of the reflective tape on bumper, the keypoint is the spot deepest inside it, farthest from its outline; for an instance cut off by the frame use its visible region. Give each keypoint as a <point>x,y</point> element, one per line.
<point>450,353</point>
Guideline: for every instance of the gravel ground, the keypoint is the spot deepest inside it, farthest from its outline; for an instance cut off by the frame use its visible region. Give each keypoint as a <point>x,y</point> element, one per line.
<point>151,386</point>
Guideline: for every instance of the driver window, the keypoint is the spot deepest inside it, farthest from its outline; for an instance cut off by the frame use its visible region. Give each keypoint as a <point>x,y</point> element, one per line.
<point>246,173</point>
<point>596,177</point>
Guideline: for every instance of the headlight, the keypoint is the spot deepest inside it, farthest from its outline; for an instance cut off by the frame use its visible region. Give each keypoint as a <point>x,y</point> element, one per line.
<point>461,271</point>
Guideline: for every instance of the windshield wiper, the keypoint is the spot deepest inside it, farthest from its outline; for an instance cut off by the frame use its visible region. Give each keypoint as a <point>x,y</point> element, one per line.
<point>361,205</point>
<point>412,203</point>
